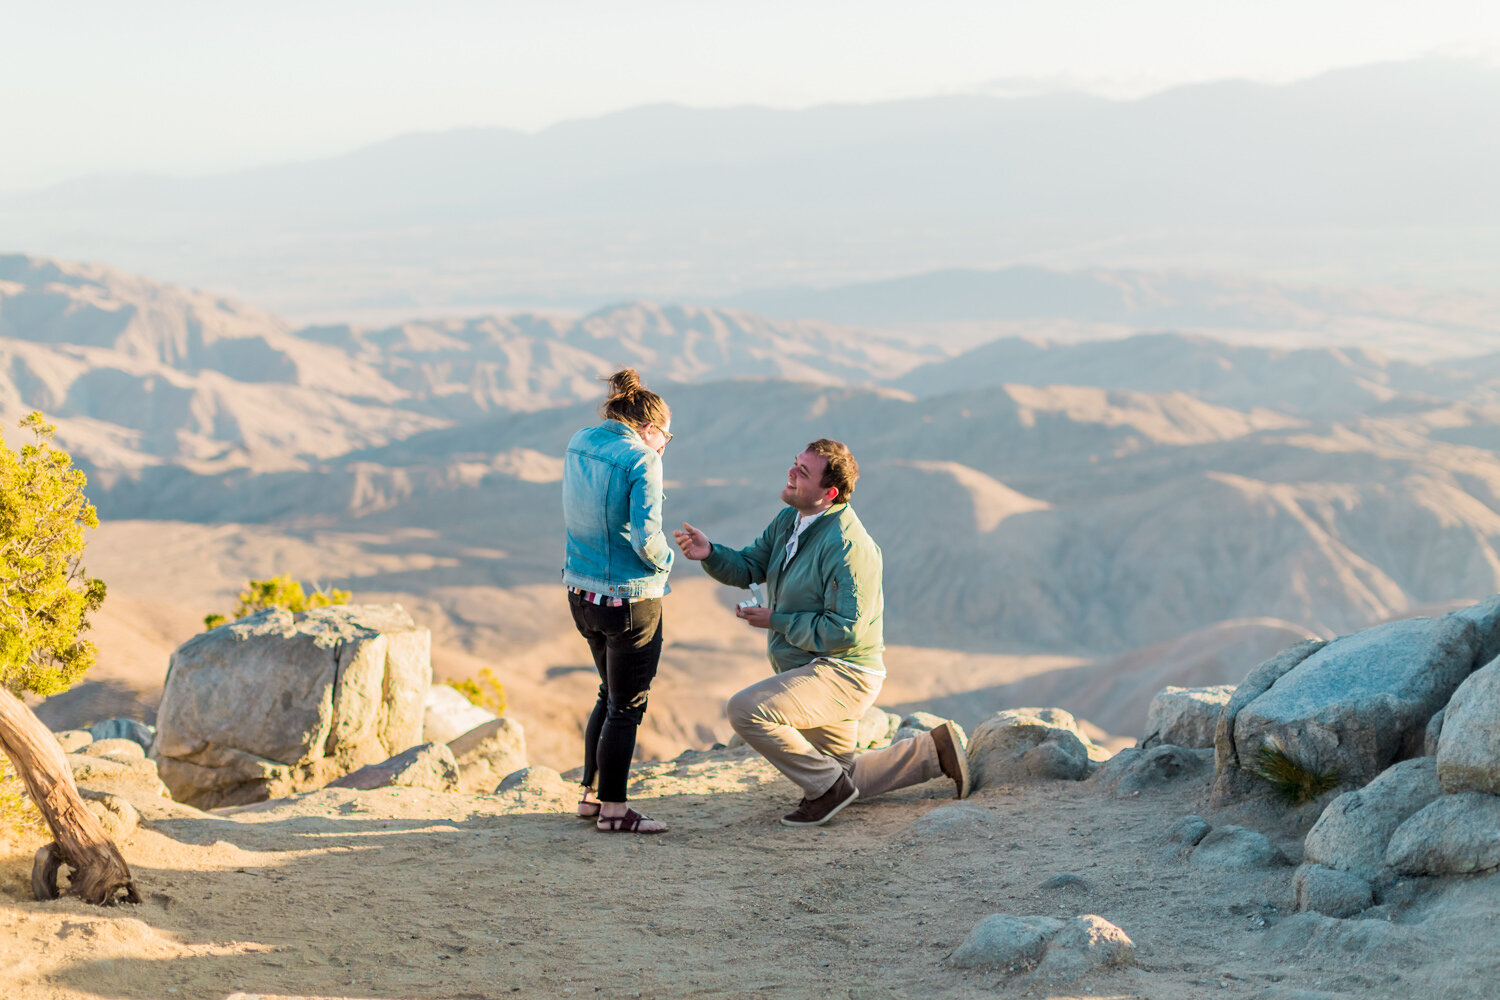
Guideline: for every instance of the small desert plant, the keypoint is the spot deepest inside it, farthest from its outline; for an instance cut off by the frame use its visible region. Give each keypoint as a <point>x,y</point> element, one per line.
<point>17,813</point>
<point>1288,777</point>
<point>484,690</point>
<point>278,592</point>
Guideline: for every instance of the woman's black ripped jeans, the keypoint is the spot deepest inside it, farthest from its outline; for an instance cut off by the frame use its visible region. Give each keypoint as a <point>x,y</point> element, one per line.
<point>626,643</point>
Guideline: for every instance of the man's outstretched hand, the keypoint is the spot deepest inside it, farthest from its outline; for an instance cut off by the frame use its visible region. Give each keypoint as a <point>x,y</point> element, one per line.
<point>693,543</point>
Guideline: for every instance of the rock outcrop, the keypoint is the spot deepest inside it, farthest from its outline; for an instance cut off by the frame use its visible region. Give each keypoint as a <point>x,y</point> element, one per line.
<point>1355,829</point>
<point>1354,706</point>
<point>277,703</point>
<point>1185,717</point>
<point>1468,737</point>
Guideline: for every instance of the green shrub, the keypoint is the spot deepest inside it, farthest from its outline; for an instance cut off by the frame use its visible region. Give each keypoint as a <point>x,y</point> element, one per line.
<point>278,592</point>
<point>485,690</point>
<point>17,813</point>
<point>1287,776</point>
<point>45,598</point>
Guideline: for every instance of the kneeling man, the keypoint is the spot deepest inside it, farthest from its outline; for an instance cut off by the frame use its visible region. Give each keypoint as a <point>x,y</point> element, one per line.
<point>822,574</point>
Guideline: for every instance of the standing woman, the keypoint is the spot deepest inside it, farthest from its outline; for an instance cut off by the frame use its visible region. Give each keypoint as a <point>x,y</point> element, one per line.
<point>616,573</point>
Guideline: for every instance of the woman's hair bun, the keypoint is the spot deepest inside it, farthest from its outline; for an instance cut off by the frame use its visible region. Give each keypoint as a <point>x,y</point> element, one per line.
<point>625,383</point>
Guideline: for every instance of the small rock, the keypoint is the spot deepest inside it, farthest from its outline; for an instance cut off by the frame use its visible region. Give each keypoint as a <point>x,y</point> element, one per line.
<point>134,779</point>
<point>118,817</point>
<point>1234,847</point>
<point>959,818</point>
<point>922,721</point>
<point>125,729</point>
<point>1186,833</point>
<point>122,750</point>
<point>877,727</point>
<point>1084,944</point>
<point>73,740</point>
<point>427,765</point>
<point>1434,733</point>
<point>1065,881</point>
<point>1006,941</point>
<point>538,789</point>
<point>1148,770</point>
<point>1331,892</point>
<point>447,714</point>
<point>1185,717</point>
<point>1030,743</point>
<point>488,753</point>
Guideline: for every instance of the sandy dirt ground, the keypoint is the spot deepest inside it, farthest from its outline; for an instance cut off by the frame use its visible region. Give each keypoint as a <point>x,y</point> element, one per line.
<point>399,893</point>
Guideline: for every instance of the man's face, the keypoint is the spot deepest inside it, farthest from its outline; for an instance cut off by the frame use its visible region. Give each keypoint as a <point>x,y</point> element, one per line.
<point>803,479</point>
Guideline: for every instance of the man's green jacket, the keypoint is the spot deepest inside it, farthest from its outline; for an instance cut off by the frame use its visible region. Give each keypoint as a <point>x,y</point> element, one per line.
<point>826,601</point>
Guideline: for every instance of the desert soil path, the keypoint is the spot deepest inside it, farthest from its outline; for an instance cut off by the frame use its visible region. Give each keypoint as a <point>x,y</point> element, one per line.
<point>399,893</point>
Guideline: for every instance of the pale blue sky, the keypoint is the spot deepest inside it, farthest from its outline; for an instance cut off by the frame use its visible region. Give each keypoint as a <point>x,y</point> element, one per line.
<point>189,87</point>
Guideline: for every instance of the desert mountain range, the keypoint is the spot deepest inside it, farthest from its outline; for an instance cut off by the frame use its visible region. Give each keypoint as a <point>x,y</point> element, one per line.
<point>1376,174</point>
<point>1045,508</point>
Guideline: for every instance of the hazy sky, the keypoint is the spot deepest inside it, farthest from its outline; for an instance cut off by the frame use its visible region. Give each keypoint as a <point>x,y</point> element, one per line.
<point>189,87</point>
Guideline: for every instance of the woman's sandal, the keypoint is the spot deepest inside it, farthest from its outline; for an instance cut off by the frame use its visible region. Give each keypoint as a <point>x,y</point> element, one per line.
<point>630,822</point>
<point>588,808</point>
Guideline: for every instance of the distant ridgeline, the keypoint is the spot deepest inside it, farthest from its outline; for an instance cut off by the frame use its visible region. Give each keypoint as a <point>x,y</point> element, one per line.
<point>1028,496</point>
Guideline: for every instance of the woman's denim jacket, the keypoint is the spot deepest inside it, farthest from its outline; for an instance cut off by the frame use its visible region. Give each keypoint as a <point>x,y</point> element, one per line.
<point>612,506</point>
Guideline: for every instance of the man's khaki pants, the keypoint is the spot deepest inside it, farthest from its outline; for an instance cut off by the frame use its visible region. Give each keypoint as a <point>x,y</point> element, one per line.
<point>806,722</point>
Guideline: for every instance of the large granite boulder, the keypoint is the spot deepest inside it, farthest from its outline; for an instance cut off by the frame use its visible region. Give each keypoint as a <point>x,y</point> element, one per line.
<point>1468,737</point>
<point>1355,829</point>
<point>1021,744</point>
<point>1185,717</point>
<point>1353,706</point>
<point>1454,835</point>
<point>277,703</point>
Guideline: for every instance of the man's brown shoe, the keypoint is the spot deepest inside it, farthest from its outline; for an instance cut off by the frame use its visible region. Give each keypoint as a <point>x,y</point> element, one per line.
<point>816,812</point>
<point>952,758</point>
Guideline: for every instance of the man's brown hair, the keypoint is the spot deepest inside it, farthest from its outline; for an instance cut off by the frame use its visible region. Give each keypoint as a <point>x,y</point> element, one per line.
<point>842,471</point>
